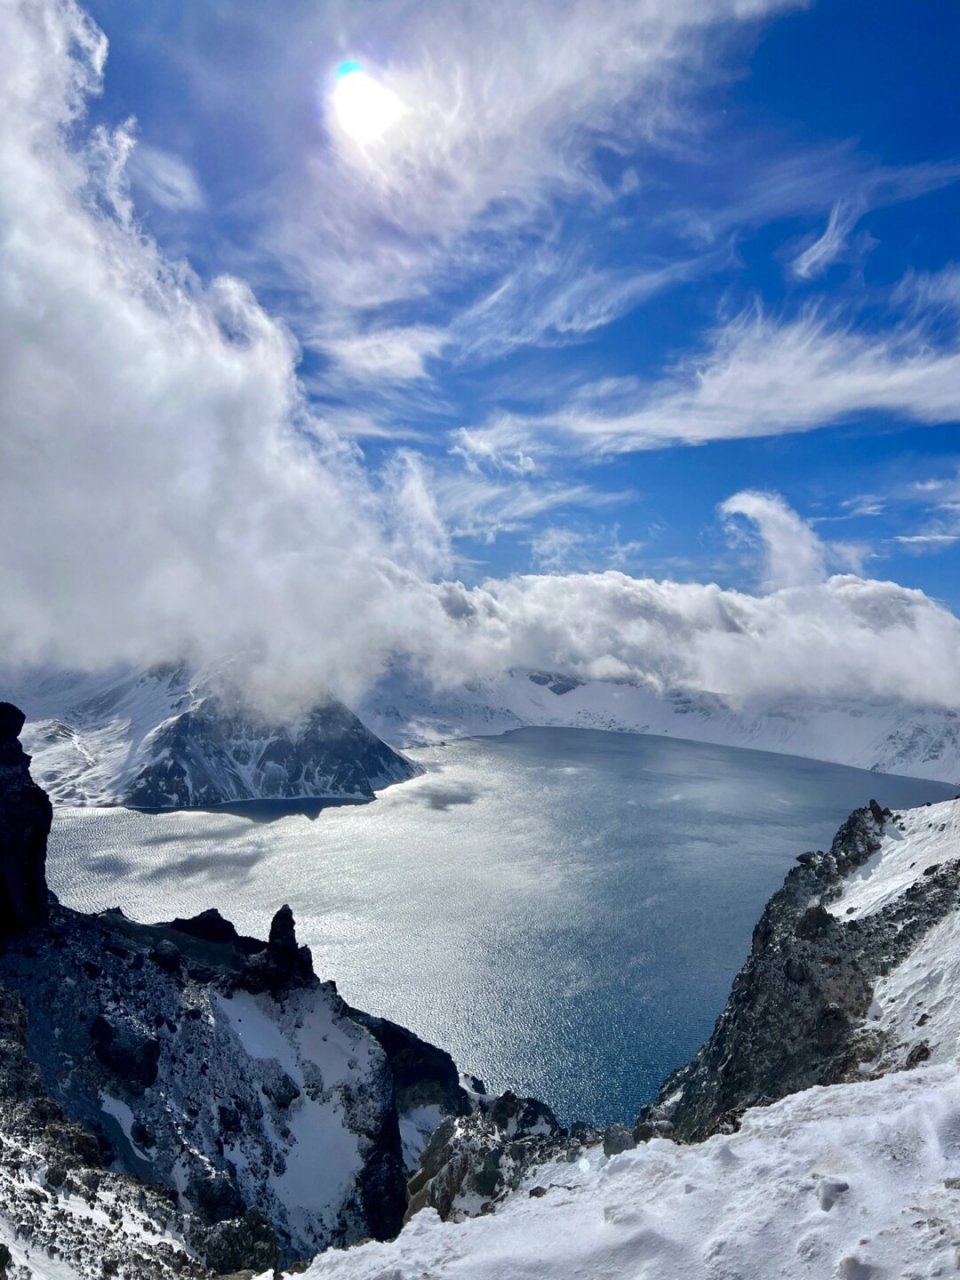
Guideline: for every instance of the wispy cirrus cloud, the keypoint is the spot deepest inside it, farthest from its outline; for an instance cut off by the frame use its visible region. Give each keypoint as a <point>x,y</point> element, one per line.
<point>556,298</point>
<point>396,355</point>
<point>167,179</point>
<point>758,377</point>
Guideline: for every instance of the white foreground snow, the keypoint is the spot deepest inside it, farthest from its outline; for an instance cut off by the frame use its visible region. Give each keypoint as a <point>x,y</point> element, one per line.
<point>854,1181</point>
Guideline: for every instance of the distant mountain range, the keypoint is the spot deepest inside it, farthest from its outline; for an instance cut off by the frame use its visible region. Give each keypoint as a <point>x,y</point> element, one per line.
<point>166,738</point>
<point>169,738</point>
<point>888,736</point>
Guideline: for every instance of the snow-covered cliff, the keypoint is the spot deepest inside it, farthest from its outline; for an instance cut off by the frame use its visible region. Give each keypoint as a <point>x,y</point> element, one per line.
<point>170,738</point>
<point>887,736</point>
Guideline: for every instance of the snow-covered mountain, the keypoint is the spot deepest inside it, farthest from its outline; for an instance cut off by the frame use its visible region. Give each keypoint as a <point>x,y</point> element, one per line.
<point>886,736</point>
<point>854,1182</point>
<point>169,738</point>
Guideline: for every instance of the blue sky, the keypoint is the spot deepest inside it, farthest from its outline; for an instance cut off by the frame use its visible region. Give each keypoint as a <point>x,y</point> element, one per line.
<point>788,180</point>
<point>620,338</point>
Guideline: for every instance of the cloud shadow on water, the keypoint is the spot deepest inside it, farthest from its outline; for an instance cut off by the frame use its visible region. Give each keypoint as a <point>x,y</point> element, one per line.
<point>445,796</point>
<point>209,866</point>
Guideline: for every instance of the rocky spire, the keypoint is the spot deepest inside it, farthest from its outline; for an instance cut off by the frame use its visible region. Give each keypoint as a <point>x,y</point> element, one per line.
<point>25,815</point>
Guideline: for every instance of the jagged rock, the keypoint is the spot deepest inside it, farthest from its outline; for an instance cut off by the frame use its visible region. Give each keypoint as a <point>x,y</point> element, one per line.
<point>484,1155</point>
<point>167,955</point>
<point>127,1052</point>
<point>243,1244</point>
<point>282,963</point>
<point>282,940</point>
<point>919,1053</point>
<point>25,816</point>
<point>616,1139</point>
<point>167,1042</point>
<point>423,1074</point>
<point>208,926</point>
<point>796,1015</point>
<point>215,1196</point>
<point>280,1089</point>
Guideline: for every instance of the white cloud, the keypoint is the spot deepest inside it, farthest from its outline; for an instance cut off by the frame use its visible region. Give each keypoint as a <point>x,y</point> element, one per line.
<point>794,555</point>
<point>825,250</point>
<point>844,637</point>
<point>479,506</point>
<point>165,490</point>
<point>553,298</point>
<point>758,378</point>
<point>927,542</point>
<point>167,179</point>
<point>393,354</point>
<point>504,105</point>
<point>834,178</point>
<point>552,549</point>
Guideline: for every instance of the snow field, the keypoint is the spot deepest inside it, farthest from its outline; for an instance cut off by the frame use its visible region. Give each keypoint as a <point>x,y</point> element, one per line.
<point>856,1181</point>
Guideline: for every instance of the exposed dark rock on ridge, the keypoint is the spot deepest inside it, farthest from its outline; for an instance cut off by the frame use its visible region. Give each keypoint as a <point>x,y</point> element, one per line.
<point>154,1018</point>
<point>796,1013</point>
<point>48,1164</point>
<point>423,1075</point>
<point>25,816</point>
<point>473,1161</point>
<point>210,755</point>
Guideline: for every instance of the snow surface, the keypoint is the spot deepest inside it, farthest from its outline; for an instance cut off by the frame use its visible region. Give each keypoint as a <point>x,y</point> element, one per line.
<point>322,1056</point>
<point>854,1181</point>
<point>920,998</point>
<point>889,737</point>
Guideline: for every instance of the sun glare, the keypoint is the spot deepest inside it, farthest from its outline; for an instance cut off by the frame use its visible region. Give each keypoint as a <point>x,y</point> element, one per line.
<point>365,109</point>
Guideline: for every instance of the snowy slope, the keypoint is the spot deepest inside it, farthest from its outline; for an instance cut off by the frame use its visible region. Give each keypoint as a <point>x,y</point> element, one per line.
<point>890,736</point>
<point>854,1181</point>
<point>918,1002</point>
<point>166,738</point>
<point>857,1181</point>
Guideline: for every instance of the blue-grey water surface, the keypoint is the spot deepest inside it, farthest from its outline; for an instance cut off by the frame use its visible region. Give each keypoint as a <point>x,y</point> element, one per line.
<point>562,909</point>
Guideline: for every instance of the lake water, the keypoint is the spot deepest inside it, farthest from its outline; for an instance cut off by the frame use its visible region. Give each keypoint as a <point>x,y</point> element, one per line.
<point>562,909</point>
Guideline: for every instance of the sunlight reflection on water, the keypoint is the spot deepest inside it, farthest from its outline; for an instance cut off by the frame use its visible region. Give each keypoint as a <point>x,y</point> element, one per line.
<point>562,909</point>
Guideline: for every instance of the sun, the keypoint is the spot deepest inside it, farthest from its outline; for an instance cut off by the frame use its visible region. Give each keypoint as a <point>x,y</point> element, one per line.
<point>365,109</point>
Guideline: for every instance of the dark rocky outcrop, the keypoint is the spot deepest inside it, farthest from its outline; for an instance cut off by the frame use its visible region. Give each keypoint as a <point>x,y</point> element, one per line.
<point>25,816</point>
<point>796,1015</point>
<point>45,1156</point>
<point>423,1075</point>
<point>211,754</point>
<point>478,1158</point>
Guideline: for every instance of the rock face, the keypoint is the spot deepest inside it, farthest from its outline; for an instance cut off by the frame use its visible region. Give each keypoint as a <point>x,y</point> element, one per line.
<point>221,1069</point>
<point>25,816</point>
<point>213,1067</point>
<point>56,1187</point>
<point>210,755</point>
<point>797,1013</point>
<point>473,1161</point>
